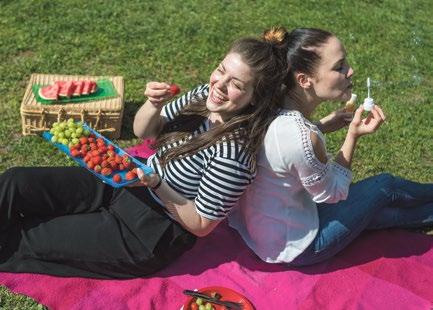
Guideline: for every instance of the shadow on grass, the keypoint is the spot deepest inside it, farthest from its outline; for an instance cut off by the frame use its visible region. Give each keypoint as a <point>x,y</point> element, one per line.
<point>131,107</point>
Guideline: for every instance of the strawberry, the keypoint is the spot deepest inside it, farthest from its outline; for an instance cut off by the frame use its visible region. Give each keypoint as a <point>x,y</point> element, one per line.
<point>90,165</point>
<point>126,163</point>
<point>96,159</point>
<point>110,147</point>
<point>106,171</point>
<point>75,153</point>
<point>97,168</point>
<point>87,157</point>
<point>117,178</point>
<point>174,89</point>
<point>102,149</point>
<point>105,163</point>
<point>113,165</point>
<point>83,140</point>
<point>118,159</point>
<point>130,175</point>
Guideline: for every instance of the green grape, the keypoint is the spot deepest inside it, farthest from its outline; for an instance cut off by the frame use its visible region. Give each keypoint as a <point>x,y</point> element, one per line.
<point>79,124</point>
<point>70,120</point>
<point>65,141</point>
<point>61,135</point>
<point>55,125</point>
<point>54,139</point>
<point>62,126</point>
<point>79,131</point>
<point>67,133</point>
<point>208,306</point>
<point>74,135</point>
<point>75,141</point>
<point>52,130</point>
<point>201,307</point>
<point>199,301</point>
<point>86,132</point>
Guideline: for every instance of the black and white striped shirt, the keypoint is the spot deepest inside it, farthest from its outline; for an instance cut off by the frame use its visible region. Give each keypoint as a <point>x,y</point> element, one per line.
<point>214,177</point>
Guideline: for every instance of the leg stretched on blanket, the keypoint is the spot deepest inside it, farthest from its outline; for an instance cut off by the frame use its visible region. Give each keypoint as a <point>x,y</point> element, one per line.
<point>382,201</point>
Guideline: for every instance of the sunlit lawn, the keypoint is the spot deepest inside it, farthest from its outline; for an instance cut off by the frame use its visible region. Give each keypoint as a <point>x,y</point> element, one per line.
<point>389,41</point>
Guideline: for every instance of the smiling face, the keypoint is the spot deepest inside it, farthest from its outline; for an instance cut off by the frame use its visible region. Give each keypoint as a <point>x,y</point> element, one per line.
<point>231,88</point>
<point>333,77</point>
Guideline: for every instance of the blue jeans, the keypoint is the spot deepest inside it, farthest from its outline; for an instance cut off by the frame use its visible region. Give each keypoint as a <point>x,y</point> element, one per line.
<point>381,201</point>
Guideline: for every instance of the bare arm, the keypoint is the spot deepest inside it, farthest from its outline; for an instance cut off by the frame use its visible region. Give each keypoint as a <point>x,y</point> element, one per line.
<point>334,121</point>
<point>182,209</point>
<point>148,122</point>
<point>358,127</point>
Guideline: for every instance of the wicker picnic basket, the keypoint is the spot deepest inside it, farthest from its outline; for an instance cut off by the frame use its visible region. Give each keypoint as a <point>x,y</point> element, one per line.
<point>104,115</point>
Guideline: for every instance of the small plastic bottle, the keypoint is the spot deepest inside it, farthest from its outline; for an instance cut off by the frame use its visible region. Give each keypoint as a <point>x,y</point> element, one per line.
<point>368,102</point>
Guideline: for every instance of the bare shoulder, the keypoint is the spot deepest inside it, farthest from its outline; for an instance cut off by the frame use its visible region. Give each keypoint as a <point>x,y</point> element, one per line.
<point>318,147</point>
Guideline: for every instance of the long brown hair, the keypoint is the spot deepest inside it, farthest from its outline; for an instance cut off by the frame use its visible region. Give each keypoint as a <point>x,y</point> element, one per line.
<point>266,57</point>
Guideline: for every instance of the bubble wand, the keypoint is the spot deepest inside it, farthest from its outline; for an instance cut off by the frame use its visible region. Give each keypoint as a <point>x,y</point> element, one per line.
<point>368,102</point>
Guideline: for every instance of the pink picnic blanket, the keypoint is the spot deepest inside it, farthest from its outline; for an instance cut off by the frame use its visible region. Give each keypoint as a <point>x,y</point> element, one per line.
<point>389,269</point>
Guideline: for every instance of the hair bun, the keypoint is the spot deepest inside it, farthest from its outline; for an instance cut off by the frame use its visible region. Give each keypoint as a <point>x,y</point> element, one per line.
<point>275,35</point>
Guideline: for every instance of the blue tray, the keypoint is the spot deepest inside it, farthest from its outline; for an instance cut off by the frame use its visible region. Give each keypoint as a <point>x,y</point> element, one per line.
<point>106,179</point>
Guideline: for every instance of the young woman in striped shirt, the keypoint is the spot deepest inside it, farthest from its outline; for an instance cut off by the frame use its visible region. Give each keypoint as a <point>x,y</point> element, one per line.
<point>65,222</point>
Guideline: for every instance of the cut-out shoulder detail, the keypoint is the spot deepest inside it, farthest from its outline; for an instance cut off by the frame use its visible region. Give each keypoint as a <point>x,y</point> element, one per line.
<point>305,128</point>
<point>318,147</point>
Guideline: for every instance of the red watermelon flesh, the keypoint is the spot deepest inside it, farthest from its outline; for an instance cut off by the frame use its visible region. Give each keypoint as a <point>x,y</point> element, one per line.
<point>93,87</point>
<point>61,85</point>
<point>50,92</point>
<point>68,89</point>
<point>78,88</point>
<point>86,87</point>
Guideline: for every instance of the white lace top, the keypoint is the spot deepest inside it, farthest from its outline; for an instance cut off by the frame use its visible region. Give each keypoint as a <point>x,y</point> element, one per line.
<point>277,215</point>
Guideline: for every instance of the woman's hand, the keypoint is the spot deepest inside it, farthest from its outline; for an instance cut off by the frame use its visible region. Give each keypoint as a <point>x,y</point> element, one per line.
<point>146,180</point>
<point>359,127</point>
<point>335,121</point>
<point>158,93</point>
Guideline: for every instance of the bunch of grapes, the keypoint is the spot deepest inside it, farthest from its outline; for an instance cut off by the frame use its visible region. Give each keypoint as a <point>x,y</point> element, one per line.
<point>68,132</point>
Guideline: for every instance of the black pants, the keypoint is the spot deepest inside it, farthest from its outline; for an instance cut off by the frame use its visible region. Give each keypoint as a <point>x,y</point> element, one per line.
<point>66,222</point>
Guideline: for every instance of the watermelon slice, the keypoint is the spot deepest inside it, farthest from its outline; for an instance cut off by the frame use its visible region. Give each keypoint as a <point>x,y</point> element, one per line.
<point>86,87</point>
<point>61,84</point>
<point>92,87</point>
<point>67,89</point>
<point>50,92</point>
<point>78,88</point>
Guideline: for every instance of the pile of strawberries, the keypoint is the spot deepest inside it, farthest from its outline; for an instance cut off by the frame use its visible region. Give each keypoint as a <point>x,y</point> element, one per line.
<point>103,159</point>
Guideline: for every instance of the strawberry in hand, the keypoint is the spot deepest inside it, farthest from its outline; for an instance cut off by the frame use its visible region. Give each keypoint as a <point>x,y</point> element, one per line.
<point>174,89</point>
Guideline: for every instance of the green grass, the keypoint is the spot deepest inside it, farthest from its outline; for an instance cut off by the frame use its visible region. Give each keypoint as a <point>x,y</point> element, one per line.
<point>388,40</point>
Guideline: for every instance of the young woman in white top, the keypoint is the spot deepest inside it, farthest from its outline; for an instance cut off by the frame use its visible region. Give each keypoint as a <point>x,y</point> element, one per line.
<point>302,208</point>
